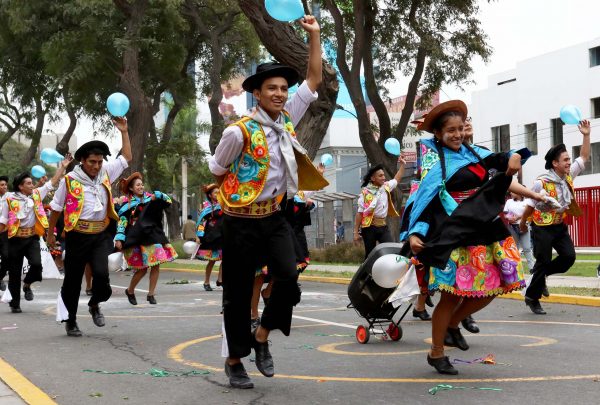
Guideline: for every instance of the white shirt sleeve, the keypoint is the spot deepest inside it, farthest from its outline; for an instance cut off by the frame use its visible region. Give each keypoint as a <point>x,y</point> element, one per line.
<point>299,102</point>
<point>392,184</point>
<point>114,168</point>
<point>4,212</point>
<point>361,201</point>
<point>58,202</point>
<point>537,187</point>
<point>229,148</point>
<point>45,189</point>
<point>577,167</point>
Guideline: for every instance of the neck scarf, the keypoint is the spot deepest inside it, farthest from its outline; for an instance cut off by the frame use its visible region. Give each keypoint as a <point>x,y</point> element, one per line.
<point>95,185</point>
<point>565,194</point>
<point>25,202</point>
<point>287,144</point>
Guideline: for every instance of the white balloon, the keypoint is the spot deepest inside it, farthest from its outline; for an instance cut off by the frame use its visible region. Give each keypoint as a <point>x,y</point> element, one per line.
<point>190,247</point>
<point>389,269</point>
<point>114,261</point>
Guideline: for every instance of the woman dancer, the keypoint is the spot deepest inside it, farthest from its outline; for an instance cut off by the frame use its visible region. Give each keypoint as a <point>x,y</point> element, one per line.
<point>140,234</point>
<point>452,226</point>
<point>208,233</point>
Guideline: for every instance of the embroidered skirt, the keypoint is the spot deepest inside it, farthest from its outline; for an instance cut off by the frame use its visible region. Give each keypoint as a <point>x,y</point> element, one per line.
<point>209,254</point>
<point>481,271</point>
<point>140,257</point>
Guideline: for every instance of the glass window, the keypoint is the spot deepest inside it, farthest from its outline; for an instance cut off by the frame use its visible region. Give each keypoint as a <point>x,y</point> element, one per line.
<point>501,138</point>
<point>593,165</point>
<point>595,107</point>
<point>556,131</point>
<point>531,138</point>
<point>595,56</point>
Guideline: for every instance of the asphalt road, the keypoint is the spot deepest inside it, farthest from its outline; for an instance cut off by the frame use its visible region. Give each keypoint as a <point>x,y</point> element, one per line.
<point>552,358</point>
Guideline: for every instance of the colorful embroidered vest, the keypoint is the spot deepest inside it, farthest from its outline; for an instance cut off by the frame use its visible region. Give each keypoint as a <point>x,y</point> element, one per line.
<point>41,221</point>
<point>74,201</point>
<point>367,218</point>
<point>554,217</point>
<point>248,172</point>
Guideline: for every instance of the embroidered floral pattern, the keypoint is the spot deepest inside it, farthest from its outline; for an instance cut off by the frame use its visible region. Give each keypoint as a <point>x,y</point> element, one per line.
<point>140,257</point>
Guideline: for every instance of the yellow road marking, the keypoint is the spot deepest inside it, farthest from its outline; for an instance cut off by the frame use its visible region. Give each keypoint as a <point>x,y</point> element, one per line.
<point>541,341</point>
<point>22,386</point>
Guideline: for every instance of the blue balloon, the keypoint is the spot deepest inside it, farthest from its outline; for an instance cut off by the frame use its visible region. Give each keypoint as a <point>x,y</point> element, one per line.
<point>117,104</point>
<point>38,171</point>
<point>326,159</point>
<point>285,10</point>
<point>392,146</point>
<point>570,114</point>
<point>50,156</point>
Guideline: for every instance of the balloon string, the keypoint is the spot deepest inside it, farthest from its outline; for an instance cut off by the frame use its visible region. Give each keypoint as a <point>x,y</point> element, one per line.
<point>154,372</point>
<point>448,387</point>
<point>489,359</point>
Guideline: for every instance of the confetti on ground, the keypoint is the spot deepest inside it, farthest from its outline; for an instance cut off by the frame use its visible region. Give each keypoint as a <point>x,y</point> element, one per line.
<point>154,372</point>
<point>489,359</point>
<point>448,387</point>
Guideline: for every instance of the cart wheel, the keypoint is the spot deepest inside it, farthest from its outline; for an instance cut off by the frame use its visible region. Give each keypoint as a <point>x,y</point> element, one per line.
<point>362,334</point>
<point>394,332</point>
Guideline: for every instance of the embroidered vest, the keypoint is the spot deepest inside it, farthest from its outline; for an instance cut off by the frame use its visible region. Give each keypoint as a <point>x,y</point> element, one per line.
<point>41,221</point>
<point>74,201</point>
<point>367,218</point>
<point>248,172</point>
<point>554,217</point>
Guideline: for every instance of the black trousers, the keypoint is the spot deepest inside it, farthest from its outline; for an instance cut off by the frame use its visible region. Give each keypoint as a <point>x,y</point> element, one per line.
<point>248,244</point>
<point>3,254</point>
<point>546,238</point>
<point>18,248</point>
<point>373,234</point>
<point>80,249</point>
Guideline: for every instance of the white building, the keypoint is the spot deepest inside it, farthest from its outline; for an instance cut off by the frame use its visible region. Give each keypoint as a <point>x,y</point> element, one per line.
<point>521,107</point>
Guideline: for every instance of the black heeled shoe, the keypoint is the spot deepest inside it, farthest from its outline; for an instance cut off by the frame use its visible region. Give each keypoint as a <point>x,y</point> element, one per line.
<point>207,287</point>
<point>442,365</point>
<point>428,301</point>
<point>455,339</point>
<point>469,324</point>
<point>151,299</point>
<point>131,298</point>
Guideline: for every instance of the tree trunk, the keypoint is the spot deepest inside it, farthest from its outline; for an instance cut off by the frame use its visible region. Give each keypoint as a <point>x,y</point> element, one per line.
<point>283,43</point>
<point>174,219</point>
<point>63,146</point>
<point>40,115</point>
<point>216,119</point>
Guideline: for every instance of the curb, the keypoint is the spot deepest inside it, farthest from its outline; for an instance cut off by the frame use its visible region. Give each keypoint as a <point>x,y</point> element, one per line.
<point>553,299</point>
<point>24,388</point>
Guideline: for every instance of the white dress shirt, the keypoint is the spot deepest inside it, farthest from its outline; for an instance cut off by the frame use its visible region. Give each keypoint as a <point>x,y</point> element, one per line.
<point>577,167</point>
<point>26,208</point>
<point>381,207</point>
<point>114,168</point>
<point>232,142</point>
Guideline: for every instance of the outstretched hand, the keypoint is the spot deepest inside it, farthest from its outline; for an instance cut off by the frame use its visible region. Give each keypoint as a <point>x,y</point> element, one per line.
<point>120,123</point>
<point>584,127</point>
<point>67,160</point>
<point>310,24</point>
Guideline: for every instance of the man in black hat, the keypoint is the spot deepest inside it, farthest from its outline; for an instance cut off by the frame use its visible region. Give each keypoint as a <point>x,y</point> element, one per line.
<point>3,237</point>
<point>85,196</point>
<point>548,227</point>
<point>258,162</point>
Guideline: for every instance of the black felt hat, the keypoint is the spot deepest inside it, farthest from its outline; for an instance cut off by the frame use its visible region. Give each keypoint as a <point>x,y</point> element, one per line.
<point>372,170</point>
<point>267,70</point>
<point>553,154</point>
<point>84,150</point>
<point>19,179</point>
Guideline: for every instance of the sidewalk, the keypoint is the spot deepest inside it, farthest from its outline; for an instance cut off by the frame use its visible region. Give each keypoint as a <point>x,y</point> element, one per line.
<point>8,396</point>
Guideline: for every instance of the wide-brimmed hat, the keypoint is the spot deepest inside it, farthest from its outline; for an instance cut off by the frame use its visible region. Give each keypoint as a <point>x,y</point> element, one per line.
<point>209,187</point>
<point>553,154</point>
<point>268,70</point>
<point>91,146</point>
<point>439,110</point>
<point>124,183</point>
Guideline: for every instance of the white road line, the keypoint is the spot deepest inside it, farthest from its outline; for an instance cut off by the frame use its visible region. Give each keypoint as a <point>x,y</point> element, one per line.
<point>137,289</point>
<point>343,325</point>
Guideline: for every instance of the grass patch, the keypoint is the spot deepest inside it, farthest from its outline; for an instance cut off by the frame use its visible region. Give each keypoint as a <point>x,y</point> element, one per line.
<point>317,273</point>
<point>589,292</point>
<point>200,266</point>
<point>583,270</point>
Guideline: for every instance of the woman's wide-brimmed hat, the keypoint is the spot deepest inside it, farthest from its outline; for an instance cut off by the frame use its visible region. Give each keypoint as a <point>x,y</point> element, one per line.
<point>124,183</point>
<point>209,187</point>
<point>267,70</point>
<point>439,110</point>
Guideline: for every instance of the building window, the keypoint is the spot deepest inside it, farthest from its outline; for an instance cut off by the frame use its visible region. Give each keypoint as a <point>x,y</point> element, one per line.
<point>593,165</point>
<point>531,138</point>
<point>595,107</point>
<point>556,128</point>
<point>501,138</point>
<point>595,56</point>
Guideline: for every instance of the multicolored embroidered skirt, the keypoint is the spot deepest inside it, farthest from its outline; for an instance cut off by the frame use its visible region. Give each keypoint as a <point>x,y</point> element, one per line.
<point>140,257</point>
<point>481,271</point>
<point>208,254</point>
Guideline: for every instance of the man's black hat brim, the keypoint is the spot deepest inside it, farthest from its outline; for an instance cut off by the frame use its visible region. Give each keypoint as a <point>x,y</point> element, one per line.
<point>265,71</point>
<point>92,145</point>
<point>553,154</point>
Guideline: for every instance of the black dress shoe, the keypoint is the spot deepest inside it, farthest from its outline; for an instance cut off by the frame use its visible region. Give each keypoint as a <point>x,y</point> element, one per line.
<point>2,285</point>
<point>469,324</point>
<point>263,360</point>
<point>131,297</point>
<point>15,310</point>
<point>442,365</point>
<point>535,306</point>
<point>423,315</point>
<point>72,329</point>
<point>28,293</point>
<point>219,283</point>
<point>238,378</point>
<point>97,316</point>
<point>151,299</point>
<point>455,339</point>
<point>207,287</point>
<point>428,301</point>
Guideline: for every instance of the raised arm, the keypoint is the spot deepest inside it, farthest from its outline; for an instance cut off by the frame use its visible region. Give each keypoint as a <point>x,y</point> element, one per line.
<point>62,168</point>
<point>314,74</point>
<point>121,124</point>
<point>400,171</point>
<point>585,129</point>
